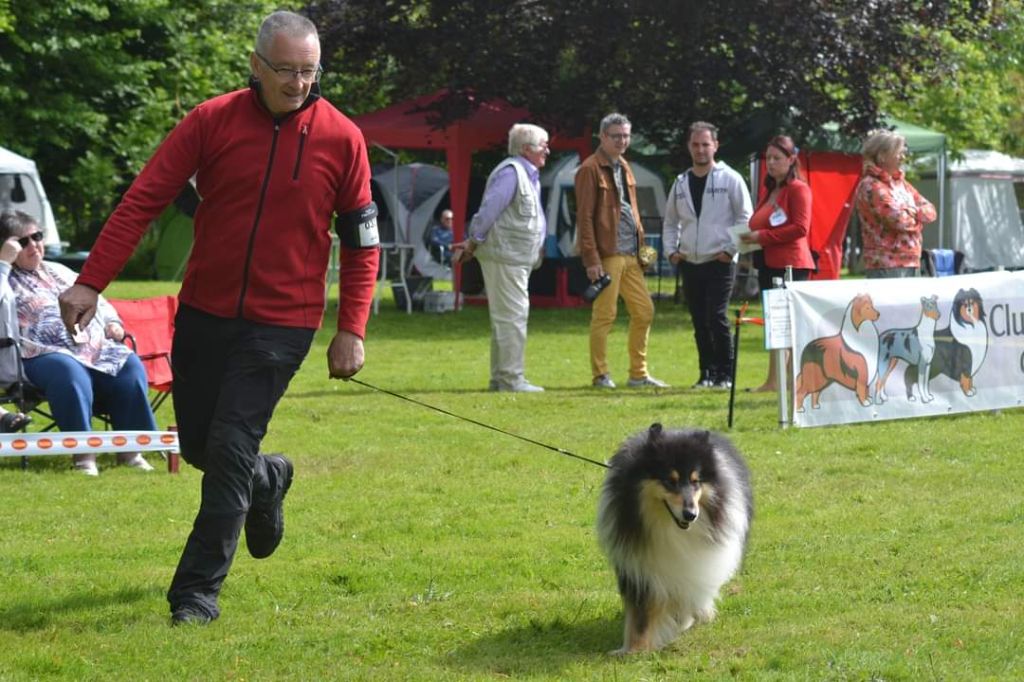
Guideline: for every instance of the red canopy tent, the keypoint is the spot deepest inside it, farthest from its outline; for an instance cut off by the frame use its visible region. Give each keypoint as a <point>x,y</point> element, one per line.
<point>405,125</point>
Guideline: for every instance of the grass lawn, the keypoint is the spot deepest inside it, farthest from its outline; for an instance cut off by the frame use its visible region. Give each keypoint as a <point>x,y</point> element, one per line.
<point>421,547</point>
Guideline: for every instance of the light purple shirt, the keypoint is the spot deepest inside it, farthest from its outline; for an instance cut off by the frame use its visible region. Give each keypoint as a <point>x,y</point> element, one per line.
<point>500,194</point>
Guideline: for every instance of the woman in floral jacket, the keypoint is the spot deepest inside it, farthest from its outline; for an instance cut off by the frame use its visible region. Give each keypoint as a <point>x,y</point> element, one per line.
<point>892,213</point>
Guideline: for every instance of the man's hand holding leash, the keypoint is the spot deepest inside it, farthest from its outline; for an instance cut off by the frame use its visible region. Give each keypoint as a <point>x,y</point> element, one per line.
<point>345,356</point>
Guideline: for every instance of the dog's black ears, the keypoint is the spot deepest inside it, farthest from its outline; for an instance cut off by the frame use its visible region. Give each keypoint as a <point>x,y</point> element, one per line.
<point>654,433</point>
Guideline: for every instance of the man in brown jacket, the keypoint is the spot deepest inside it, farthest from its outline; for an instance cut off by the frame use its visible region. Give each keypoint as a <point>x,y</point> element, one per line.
<point>609,234</point>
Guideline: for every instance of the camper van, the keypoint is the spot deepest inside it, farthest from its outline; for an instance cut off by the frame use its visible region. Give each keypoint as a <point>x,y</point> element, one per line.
<point>21,189</point>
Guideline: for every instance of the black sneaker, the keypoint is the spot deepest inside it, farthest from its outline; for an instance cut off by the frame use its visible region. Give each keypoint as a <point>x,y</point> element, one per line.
<point>264,524</point>
<point>189,615</point>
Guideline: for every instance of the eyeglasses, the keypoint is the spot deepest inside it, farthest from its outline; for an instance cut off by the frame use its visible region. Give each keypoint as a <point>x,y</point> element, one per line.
<point>542,147</point>
<point>34,237</point>
<point>619,137</point>
<point>304,75</point>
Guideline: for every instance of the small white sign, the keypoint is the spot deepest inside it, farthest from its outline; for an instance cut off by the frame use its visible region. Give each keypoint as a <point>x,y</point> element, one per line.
<point>778,327</point>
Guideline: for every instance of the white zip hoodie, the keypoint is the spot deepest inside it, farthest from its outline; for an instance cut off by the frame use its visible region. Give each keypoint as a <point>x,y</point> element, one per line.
<point>726,203</point>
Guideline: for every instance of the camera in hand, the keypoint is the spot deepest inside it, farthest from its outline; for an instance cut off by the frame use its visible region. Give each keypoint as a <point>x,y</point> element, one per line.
<point>596,287</point>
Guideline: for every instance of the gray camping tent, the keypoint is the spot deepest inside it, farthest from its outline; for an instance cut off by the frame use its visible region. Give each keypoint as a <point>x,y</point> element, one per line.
<point>984,202</point>
<point>411,194</point>
<point>21,189</point>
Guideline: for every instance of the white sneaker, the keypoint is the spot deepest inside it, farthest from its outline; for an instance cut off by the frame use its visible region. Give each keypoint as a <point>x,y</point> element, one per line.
<point>646,381</point>
<point>139,462</point>
<point>603,381</point>
<point>88,468</point>
<point>523,386</point>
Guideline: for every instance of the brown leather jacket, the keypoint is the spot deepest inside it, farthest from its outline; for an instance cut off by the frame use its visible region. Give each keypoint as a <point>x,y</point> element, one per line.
<point>597,208</point>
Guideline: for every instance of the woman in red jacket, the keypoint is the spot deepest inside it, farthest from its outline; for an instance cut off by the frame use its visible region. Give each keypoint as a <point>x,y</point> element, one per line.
<point>780,225</point>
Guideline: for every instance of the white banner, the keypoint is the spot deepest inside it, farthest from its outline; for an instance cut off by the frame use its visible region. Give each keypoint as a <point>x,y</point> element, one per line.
<point>83,442</point>
<point>872,349</point>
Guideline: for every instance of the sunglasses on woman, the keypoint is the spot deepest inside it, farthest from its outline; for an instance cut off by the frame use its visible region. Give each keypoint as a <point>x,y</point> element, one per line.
<point>35,237</point>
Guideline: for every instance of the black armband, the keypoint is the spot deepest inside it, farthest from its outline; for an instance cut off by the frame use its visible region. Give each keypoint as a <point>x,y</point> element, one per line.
<point>358,229</point>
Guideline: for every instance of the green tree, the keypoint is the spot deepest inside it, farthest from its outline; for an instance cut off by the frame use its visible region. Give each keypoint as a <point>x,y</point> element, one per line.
<point>90,87</point>
<point>977,99</point>
<point>663,63</point>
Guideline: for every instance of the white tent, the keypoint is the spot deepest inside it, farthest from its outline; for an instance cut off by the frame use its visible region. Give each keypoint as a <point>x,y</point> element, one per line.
<point>558,184</point>
<point>21,189</point>
<point>985,209</point>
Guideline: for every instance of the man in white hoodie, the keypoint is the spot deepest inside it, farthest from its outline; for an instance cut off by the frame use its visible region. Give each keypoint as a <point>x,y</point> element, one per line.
<point>704,203</point>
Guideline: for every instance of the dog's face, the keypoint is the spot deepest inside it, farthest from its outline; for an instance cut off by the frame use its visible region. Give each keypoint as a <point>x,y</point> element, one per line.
<point>677,469</point>
<point>967,307</point>
<point>864,309</point>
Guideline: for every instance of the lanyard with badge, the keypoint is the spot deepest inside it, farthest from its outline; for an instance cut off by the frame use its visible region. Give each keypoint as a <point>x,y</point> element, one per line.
<point>778,216</point>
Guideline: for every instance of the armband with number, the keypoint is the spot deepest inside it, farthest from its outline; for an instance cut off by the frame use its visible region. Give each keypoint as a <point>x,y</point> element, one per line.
<point>358,229</point>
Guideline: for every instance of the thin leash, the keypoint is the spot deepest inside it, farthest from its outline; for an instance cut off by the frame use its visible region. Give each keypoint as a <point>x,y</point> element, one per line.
<point>560,451</point>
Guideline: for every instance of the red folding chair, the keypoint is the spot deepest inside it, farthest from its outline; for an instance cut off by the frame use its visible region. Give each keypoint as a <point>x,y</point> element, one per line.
<point>149,324</point>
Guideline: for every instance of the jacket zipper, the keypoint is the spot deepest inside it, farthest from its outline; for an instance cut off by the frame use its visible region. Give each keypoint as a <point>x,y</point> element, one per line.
<point>302,145</point>
<point>256,220</point>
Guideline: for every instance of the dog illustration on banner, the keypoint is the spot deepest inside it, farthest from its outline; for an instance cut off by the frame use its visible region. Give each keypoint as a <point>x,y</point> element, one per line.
<point>914,346</point>
<point>849,358</point>
<point>960,347</point>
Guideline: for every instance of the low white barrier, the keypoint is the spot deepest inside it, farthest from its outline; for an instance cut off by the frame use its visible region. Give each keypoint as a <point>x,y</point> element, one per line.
<point>85,442</point>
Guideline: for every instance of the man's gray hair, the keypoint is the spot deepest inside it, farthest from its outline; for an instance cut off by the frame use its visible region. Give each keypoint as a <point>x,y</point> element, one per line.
<point>522,134</point>
<point>698,126</point>
<point>613,120</point>
<point>286,23</point>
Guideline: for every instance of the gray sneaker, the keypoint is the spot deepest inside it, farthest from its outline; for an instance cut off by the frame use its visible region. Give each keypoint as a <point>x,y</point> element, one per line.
<point>603,381</point>
<point>646,381</point>
<point>523,386</point>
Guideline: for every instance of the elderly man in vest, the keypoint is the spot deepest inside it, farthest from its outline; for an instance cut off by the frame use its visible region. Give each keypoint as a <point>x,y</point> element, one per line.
<point>506,236</point>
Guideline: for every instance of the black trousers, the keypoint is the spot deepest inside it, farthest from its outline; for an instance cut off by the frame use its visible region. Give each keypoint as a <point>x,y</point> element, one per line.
<point>707,287</point>
<point>229,375</point>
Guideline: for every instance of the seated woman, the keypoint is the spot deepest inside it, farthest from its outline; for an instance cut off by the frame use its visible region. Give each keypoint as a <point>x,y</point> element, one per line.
<point>76,374</point>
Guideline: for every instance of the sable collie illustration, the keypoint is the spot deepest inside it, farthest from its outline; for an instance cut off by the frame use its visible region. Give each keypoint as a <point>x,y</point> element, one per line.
<point>849,358</point>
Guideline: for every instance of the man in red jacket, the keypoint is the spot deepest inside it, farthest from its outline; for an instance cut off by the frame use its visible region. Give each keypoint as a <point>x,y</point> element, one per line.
<point>273,164</point>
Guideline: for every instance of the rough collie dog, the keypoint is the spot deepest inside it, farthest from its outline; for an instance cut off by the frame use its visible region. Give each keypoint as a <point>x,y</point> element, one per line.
<point>673,518</point>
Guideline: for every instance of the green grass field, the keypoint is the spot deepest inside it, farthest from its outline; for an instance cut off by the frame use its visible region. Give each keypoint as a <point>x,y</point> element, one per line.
<point>421,547</point>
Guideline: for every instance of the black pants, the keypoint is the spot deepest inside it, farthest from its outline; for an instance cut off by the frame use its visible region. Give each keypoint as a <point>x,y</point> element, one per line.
<point>228,377</point>
<point>707,287</point>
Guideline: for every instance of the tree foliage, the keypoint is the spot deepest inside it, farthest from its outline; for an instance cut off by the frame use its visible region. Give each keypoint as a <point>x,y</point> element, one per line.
<point>975,98</point>
<point>90,87</point>
<point>663,63</point>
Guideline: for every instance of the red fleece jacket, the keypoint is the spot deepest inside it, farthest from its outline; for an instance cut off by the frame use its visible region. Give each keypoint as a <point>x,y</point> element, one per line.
<point>268,191</point>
